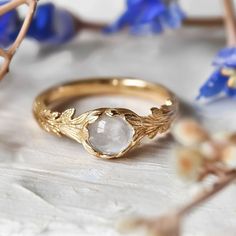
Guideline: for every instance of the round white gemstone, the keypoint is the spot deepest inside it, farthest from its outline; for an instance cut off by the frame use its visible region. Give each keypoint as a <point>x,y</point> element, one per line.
<point>110,135</point>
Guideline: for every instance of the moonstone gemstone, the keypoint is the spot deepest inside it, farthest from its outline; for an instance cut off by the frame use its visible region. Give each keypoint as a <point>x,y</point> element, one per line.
<point>110,135</point>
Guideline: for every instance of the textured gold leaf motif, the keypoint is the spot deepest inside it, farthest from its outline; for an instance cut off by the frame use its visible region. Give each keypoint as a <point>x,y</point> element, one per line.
<point>64,123</point>
<point>156,123</point>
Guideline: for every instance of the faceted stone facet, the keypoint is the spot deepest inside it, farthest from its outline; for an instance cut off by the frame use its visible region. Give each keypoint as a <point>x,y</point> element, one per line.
<point>110,135</point>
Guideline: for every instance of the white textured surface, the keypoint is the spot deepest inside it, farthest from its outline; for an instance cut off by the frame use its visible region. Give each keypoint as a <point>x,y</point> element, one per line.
<point>52,187</point>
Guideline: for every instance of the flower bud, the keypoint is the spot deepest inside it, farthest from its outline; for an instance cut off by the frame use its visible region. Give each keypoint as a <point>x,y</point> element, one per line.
<point>229,156</point>
<point>189,163</point>
<point>189,133</point>
<point>232,138</point>
<point>209,150</point>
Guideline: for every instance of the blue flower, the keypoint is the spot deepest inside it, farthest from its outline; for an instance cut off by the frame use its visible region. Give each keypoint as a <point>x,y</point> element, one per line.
<point>223,79</point>
<point>226,57</point>
<point>52,25</point>
<point>9,27</point>
<point>145,16</point>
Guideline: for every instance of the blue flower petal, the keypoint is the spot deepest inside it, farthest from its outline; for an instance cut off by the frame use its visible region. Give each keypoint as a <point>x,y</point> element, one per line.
<point>128,18</point>
<point>9,27</point>
<point>131,3</point>
<point>214,85</point>
<point>173,16</point>
<point>145,16</point>
<point>64,27</point>
<point>150,12</point>
<point>231,92</point>
<point>52,25</point>
<point>41,27</point>
<point>157,27</point>
<point>226,58</point>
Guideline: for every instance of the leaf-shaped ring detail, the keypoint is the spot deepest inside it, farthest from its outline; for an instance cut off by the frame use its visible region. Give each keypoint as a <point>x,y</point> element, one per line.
<point>106,132</point>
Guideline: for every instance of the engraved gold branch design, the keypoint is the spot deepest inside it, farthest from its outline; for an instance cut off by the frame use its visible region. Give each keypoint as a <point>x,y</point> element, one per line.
<point>156,123</point>
<point>64,123</point>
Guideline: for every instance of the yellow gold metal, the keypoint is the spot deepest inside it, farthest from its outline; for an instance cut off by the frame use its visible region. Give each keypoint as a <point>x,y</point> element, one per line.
<point>231,73</point>
<point>65,124</point>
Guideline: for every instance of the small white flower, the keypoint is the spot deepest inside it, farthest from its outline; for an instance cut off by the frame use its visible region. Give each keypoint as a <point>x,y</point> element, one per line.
<point>229,156</point>
<point>209,150</point>
<point>221,137</point>
<point>189,163</point>
<point>189,133</point>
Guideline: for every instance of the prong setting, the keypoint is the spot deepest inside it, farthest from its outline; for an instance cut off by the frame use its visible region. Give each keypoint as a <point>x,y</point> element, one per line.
<point>110,135</point>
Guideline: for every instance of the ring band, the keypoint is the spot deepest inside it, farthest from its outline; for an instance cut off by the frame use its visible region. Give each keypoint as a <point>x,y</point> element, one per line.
<point>106,132</point>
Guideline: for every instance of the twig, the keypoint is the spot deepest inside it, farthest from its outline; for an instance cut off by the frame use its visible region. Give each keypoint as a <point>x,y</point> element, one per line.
<point>230,22</point>
<point>204,22</point>
<point>11,5</point>
<point>9,53</point>
<point>190,21</point>
<point>81,24</point>
<point>170,224</point>
<point>222,183</point>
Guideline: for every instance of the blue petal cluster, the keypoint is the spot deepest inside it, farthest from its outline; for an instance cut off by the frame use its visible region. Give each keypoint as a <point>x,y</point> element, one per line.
<point>50,25</point>
<point>149,16</point>
<point>8,27</point>
<point>218,82</point>
<point>226,57</point>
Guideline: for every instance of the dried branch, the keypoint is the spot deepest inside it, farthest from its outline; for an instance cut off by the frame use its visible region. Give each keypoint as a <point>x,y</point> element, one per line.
<point>170,224</point>
<point>190,21</point>
<point>225,180</point>
<point>204,22</point>
<point>81,25</point>
<point>200,155</point>
<point>9,53</point>
<point>230,22</point>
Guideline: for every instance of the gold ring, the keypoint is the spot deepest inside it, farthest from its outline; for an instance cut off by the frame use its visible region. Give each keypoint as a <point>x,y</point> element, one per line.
<point>106,132</point>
